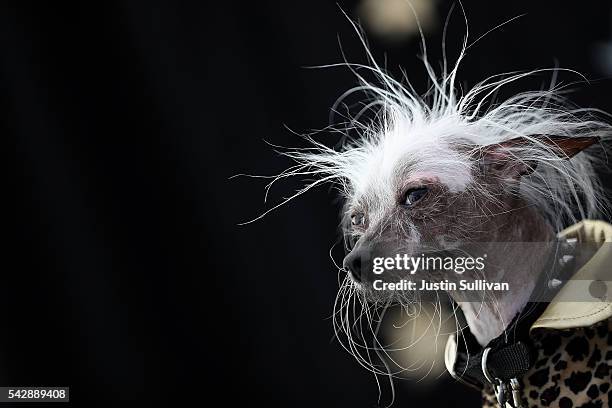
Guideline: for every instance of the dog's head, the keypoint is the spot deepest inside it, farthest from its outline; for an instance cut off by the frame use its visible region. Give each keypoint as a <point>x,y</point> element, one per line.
<point>428,174</point>
<point>433,189</point>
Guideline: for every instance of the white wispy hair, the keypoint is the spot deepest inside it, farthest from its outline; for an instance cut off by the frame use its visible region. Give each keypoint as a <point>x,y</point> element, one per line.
<point>441,130</point>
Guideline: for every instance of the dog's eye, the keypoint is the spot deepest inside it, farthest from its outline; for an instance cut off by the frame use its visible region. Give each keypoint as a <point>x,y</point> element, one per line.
<point>350,240</point>
<point>414,194</point>
<point>357,219</point>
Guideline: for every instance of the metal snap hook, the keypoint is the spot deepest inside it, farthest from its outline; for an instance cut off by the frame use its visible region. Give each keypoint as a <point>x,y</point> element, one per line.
<point>499,387</point>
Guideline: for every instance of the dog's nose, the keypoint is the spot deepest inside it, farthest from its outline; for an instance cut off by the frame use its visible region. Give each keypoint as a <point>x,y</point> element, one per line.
<point>352,263</point>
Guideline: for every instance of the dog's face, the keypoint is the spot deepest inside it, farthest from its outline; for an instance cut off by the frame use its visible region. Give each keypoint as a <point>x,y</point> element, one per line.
<point>429,198</point>
<point>410,202</point>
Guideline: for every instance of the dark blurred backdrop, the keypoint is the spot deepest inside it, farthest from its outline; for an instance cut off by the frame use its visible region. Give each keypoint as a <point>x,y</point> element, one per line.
<point>127,277</point>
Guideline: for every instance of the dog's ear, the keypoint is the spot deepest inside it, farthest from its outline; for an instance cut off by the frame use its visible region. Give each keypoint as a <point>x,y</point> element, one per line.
<point>565,147</point>
<point>500,159</point>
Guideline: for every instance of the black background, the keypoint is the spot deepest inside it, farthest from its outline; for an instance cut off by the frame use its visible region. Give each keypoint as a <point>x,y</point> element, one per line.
<point>127,277</point>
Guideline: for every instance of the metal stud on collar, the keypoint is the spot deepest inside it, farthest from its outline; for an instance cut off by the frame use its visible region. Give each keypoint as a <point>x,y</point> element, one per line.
<point>565,260</point>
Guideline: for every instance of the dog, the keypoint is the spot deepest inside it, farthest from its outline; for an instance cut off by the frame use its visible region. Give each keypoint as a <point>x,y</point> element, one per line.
<point>453,172</point>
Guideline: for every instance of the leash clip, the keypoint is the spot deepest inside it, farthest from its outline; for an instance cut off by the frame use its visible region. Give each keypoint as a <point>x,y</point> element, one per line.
<point>516,393</point>
<point>499,387</point>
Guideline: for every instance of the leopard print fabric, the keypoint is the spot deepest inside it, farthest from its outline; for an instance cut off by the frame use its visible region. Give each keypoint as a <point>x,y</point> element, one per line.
<point>573,369</point>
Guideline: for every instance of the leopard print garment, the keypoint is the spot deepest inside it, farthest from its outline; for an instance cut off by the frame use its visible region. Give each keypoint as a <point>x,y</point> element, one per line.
<point>573,369</point>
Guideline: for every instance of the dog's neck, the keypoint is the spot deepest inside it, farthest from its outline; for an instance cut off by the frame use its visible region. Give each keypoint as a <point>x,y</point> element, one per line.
<point>518,267</point>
